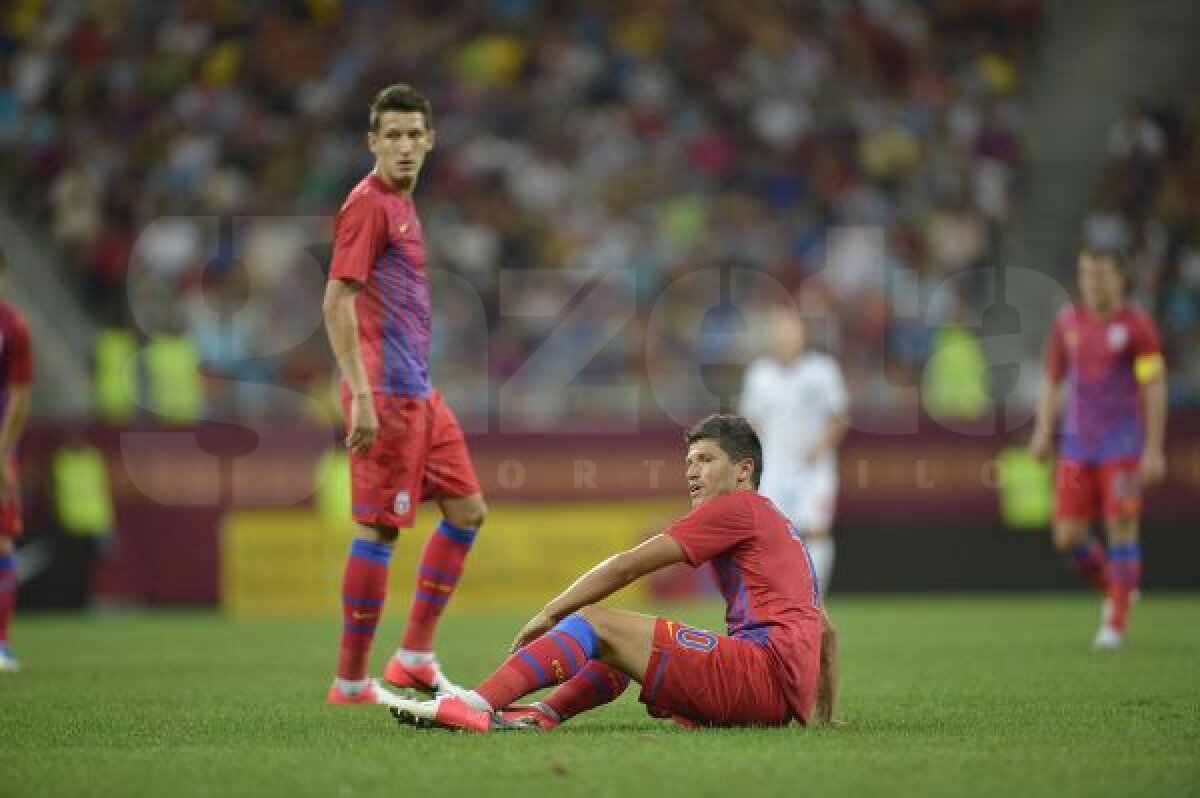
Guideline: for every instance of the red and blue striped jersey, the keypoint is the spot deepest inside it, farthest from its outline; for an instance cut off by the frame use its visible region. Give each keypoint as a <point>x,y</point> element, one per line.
<point>16,354</point>
<point>764,572</point>
<point>1099,359</point>
<point>378,244</point>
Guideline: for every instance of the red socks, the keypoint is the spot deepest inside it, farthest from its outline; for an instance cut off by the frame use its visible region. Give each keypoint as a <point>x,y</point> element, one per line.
<point>1124,575</point>
<point>597,684</point>
<point>1088,561</point>
<point>438,574</point>
<point>364,587</point>
<point>551,659</point>
<point>8,593</point>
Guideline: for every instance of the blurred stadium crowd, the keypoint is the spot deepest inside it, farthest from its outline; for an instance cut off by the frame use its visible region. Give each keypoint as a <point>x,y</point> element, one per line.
<point>849,151</point>
<point>1148,204</point>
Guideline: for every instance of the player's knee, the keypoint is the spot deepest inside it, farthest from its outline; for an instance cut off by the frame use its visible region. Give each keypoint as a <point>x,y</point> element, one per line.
<point>377,533</point>
<point>467,515</point>
<point>1068,535</point>
<point>1123,529</point>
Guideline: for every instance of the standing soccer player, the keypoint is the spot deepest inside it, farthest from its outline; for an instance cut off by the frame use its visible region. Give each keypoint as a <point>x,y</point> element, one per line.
<point>16,376</point>
<point>796,399</point>
<point>405,443</point>
<point>777,663</point>
<point>1104,366</point>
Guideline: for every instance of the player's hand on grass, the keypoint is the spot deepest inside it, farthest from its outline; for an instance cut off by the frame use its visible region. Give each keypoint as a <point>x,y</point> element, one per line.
<point>364,424</point>
<point>1154,466</point>
<point>537,626</point>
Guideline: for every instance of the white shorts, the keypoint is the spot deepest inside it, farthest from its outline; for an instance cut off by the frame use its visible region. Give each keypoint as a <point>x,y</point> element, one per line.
<point>807,497</point>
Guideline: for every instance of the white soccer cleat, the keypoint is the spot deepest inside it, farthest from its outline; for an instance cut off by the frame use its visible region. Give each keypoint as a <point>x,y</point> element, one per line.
<point>1107,639</point>
<point>419,714</point>
<point>374,693</point>
<point>385,696</point>
<point>8,663</point>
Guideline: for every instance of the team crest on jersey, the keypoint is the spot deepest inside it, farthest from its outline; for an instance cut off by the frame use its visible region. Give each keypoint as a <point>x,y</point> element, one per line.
<point>1118,336</point>
<point>402,503</point>
<point>695,639</point>
<point>1072,338</point>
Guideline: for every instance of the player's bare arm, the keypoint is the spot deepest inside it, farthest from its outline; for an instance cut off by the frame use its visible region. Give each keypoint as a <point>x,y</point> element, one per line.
<point>1049,400</point>
<point>602,581</point>
<point>827,681</point>
<point>13,425</point>
<point>341,326</point>
<point>1154,396</point>
<point>835,432</point>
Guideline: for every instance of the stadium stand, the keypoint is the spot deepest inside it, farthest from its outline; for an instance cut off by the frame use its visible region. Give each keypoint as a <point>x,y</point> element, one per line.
<point>852,152</point>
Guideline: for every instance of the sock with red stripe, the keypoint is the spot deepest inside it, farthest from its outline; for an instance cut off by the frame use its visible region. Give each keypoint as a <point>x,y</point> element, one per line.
<point>8,595</point>
<point>1124,575</point>
<point>597,684</point>
<point>1087,559</point>
<point>437,576</point>
<point>364,586</point>
<point>551,659</point>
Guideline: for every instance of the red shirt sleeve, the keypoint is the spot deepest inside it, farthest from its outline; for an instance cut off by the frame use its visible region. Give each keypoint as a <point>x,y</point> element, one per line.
<point>360,238</point>
<point>1145,336</point>
<point>713,528</point>
<point>20,354</point>
<point>1056,352</point>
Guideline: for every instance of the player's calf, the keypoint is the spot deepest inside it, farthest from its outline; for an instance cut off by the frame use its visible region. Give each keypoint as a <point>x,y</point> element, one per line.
<point>1084,555</point>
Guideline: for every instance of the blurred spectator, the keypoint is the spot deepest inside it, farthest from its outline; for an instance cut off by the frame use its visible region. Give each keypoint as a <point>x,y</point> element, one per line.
<point>1148,203</point>
<point>826,145</point>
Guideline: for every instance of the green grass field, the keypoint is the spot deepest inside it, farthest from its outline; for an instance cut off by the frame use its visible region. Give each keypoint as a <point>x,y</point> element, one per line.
<point>943,696</point>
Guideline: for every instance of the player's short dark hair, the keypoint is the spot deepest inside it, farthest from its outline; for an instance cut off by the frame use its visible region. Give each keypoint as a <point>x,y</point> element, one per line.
<point>734,435</point>
<point>1112,253</point>
<point>400,97</point>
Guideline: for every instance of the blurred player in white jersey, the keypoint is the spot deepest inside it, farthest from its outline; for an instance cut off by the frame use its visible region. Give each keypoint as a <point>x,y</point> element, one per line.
<point>796,400</point>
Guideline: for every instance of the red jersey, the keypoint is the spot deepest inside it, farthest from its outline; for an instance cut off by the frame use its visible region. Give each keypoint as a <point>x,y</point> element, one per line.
<point>763,571</point>
<point>16,357</point>
<point>1102,421</point>
<point>378,244</point>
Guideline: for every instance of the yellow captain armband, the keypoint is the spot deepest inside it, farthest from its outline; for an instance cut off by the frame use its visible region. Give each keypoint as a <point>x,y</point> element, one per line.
<point>1148,368</point>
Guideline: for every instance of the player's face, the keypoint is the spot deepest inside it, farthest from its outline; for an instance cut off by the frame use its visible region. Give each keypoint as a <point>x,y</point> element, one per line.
<point>1100,283</point>
<point>788,336</point>
<point>711,472</point>
<point>400,146</point>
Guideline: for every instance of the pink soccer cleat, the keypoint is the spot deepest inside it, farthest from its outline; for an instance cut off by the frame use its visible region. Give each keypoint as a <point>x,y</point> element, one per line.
<point>425,678</point>
<point>446,712</point>
<point>374,693</point>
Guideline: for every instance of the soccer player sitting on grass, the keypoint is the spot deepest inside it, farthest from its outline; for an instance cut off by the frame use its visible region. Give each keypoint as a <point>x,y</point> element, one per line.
<point>777,663</point>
